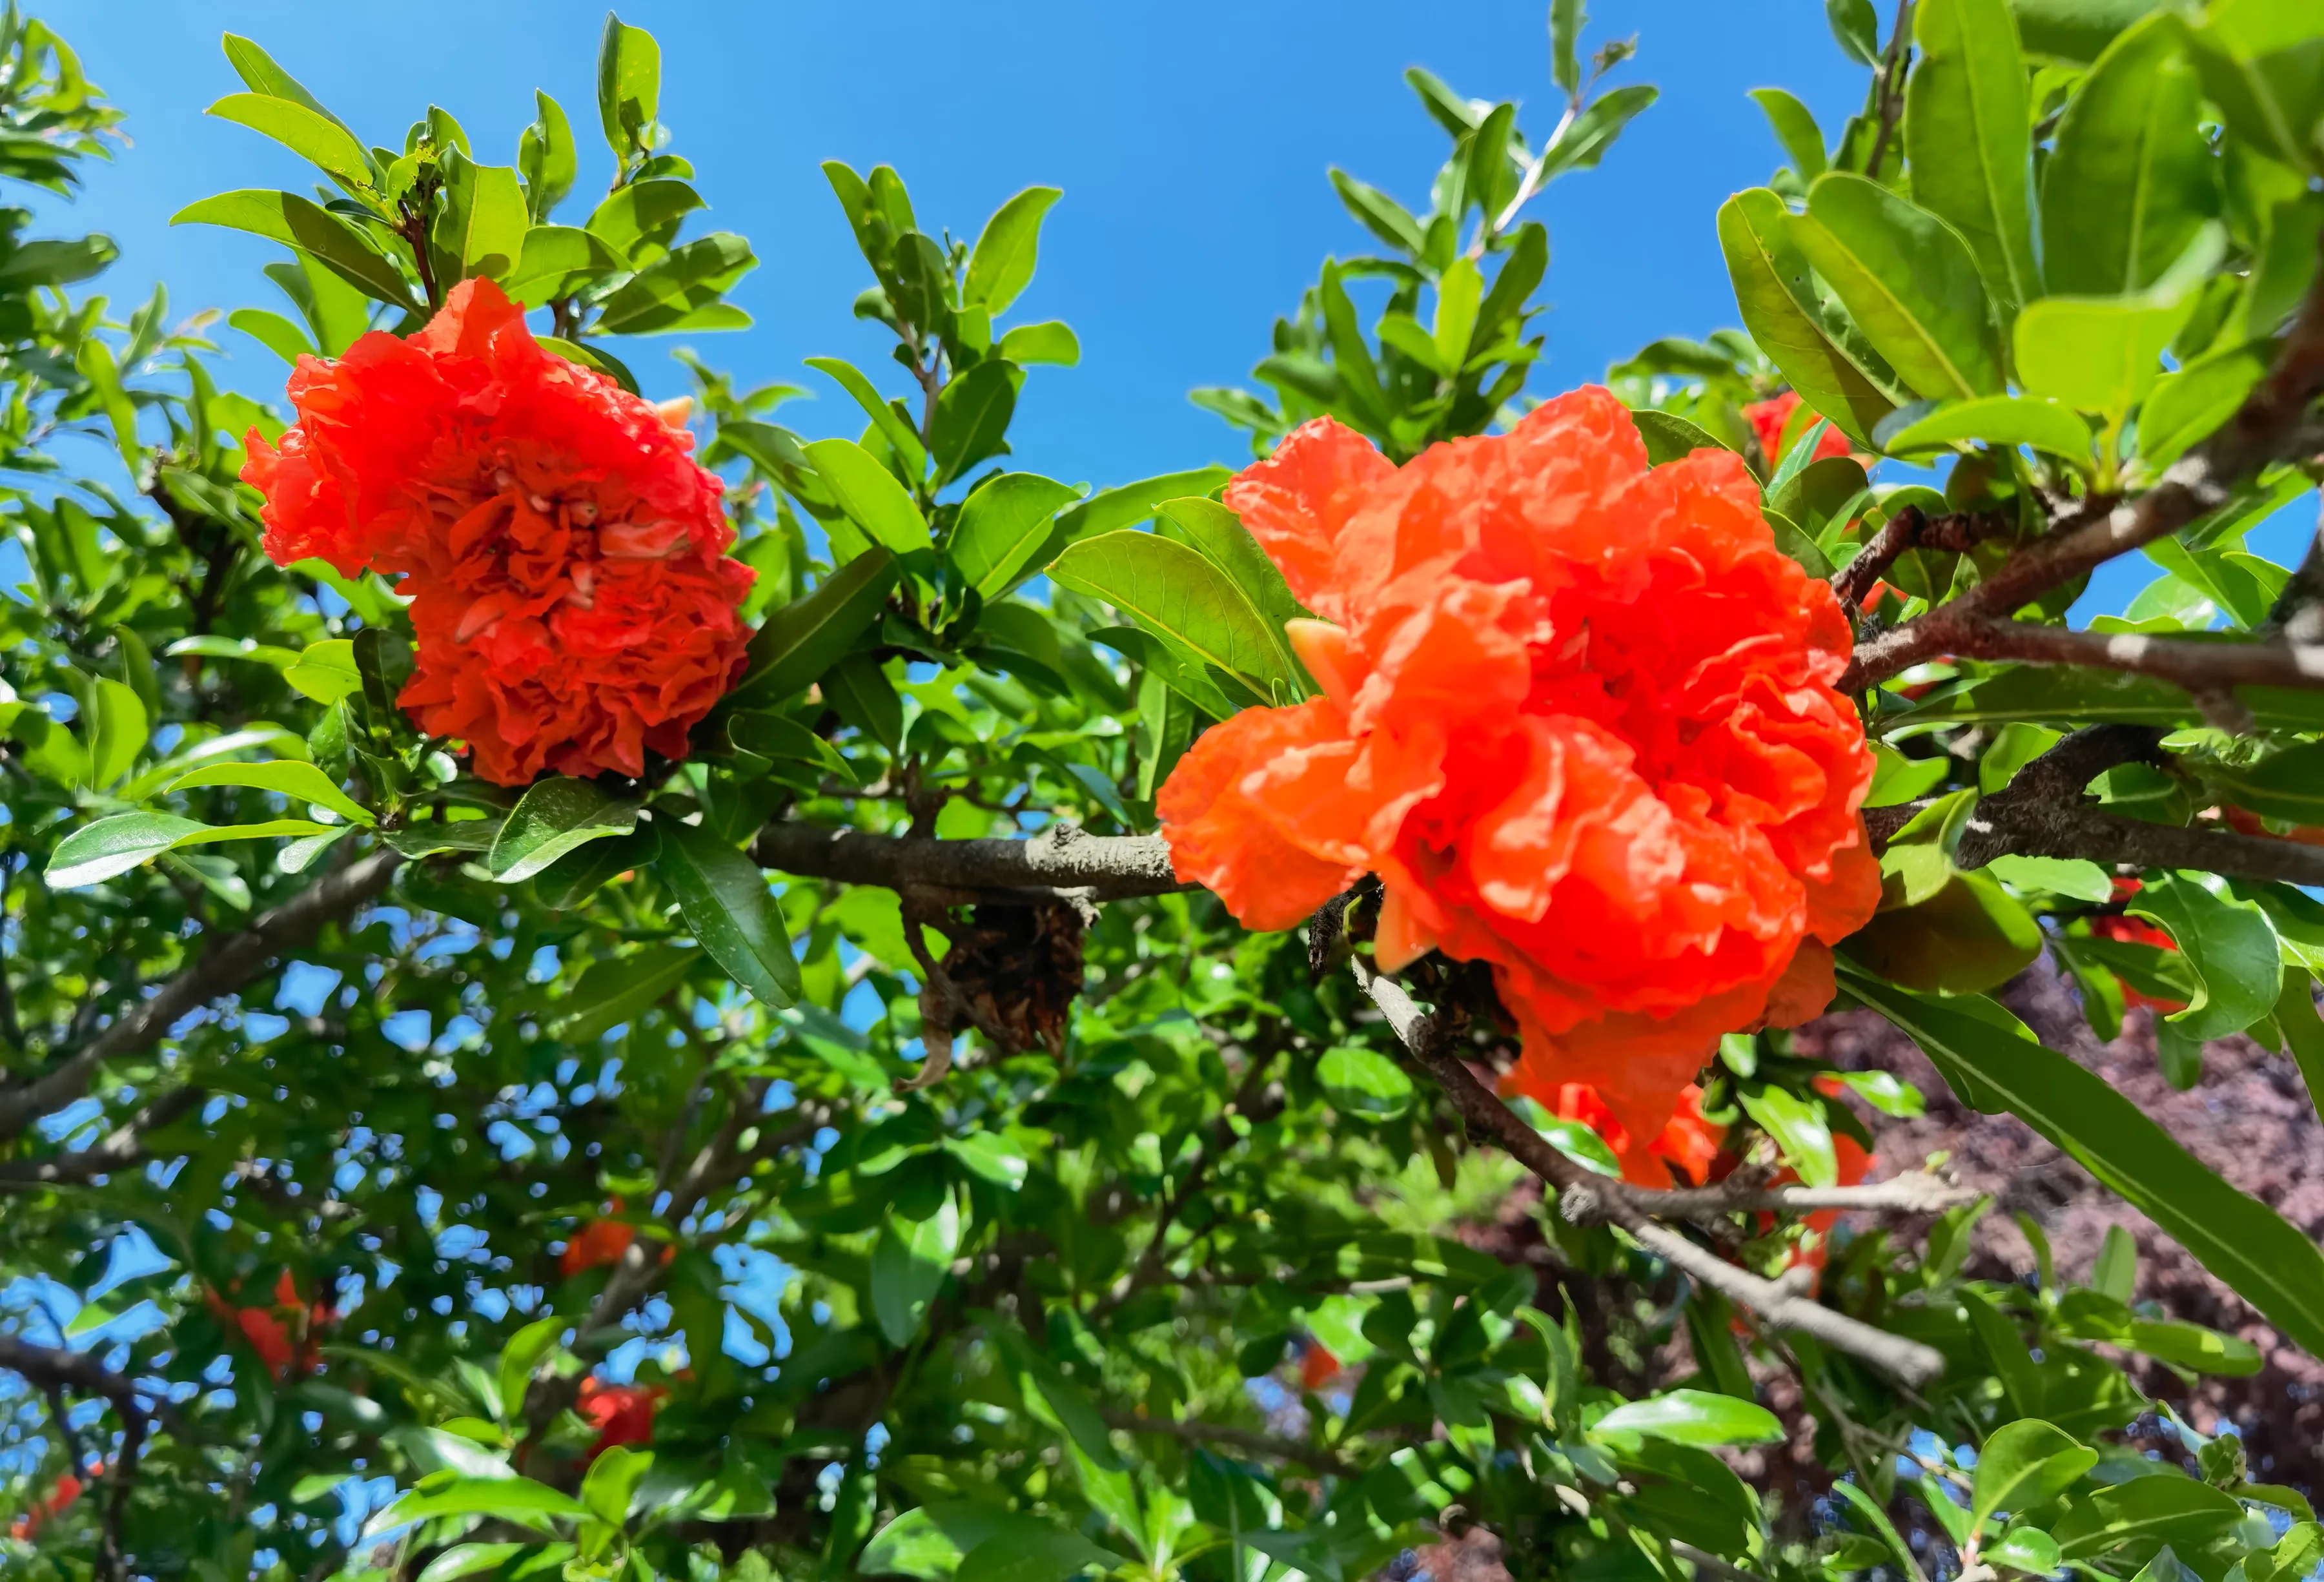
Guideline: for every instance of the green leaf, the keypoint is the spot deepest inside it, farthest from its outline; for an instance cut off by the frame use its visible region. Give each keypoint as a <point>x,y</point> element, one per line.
<point>290,777</point>
<point>546,157</point>
<point>260,73</point>
<point>1565,21</point>
<point>274,332</point>
<point>118,733</point>
<point>1799,1128</point>
<point>643,215</point>
<point>2133,178</point>
<point>1380,214</point>
<point>1694,1417</point>
<point>2115,1271</point>
<point>1796,128</point>
<point>2192,402</point>
<point>1993,420</point>
<point>2288,785</point>
<point>869,494</point>
<point>971,418</point>
<point>96,852</point>
<point>556,261</point>
<point>2024,1466</point>
<point>285,217</point>
<point>1003,525</point>
<point>723,898</point>
<point>1971,934</point>
<point>1966,139</point>
<point>932,1541</point>
<point>1174,592</point>
<point>1585,142</point>
<point>2143,1514</point>
<point>865,698</point>
<point>909,1265</point>
<point>2024,1549</point>
<point>679,289</point>
<point>2068,877</point>
<point>512,1499</point>
<point>612,1482</point>
<point>1857,29</point>
<point>992,1155</point>
<point>309,134</point>
<point>2259,64</point>
<point>1363,1082</point>
<point>1995,1064</point>
<point>2096,353</point>
<point>480,227</point>
<point>465,1559</point>
<point>1671,438</point>
<point>1776,293</point>
<point>1908,280</point>
<point>900,435</point>
<point>325,670</point>
<point>1049,341</point>
<point>800,642</point>
<point>1109,509</point>
<point>629,88</point>
<point>1001,266</point>
<point>556,816</point>
<point>616,991</point>
<point>2230,945</point>
<point>1223,540</point>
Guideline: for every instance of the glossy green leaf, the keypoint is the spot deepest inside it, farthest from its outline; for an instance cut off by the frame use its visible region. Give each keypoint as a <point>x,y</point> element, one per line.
<point>554,261</point>
<point>1908,280</point>
<point>325,670</point>
<point>1002,526</point>
<point>798,642</point>
<point>2140,1516</point>
<point>2263,64</point>
<point>2023,1548</point>
<point>901,437</point>
<point>1048,341</point>
<point>971,418</point>
<point>1967,141</point>
<point>2133,178</point>
<point>1126,504</point>
<point>1584,143</point>
<point>618,990</point>
<point>1362,1082</point>
<point>1174,592</point>
<point>1001,266</point>
<point>870,495</point>
<point>723,896</point>
<point>1991,420</point>
<point>1776,292</point>
<point>512,1499</point>
<point>1671,438</point>
<point>1694,1417</point>
<point>678,290</point>
<point>2191,404</point>
<point>629,86</point>
<point>1995,1064</point>
<point>96,852</point>
<point>2096,353</point>
<point>2228,943</point>
<point>1796,128</point>
<point>290,777</point>
<point>643,215</point>
<point>2024,1466</point>
<point>909,1265</point>
<point>556,816</point>
<point>546,157</point>
<point>292,220</point>
<point>310,134</point>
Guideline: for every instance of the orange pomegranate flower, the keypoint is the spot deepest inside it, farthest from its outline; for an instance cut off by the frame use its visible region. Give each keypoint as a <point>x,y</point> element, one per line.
<point>1768,419</point>
<point>565,555</point>
<point>1812,1252</point>
<point>1689,1147</point>
<point>1317,1366</point>
<point>596,1243</point>
<point>1577,714</point>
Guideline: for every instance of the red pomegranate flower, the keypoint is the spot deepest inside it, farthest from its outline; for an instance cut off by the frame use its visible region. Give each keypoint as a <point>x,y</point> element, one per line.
<point>623,1414</point>
<point>1577,713</point>
<point>1768,419</point>
<point>565,555</point>
<point>1688,1148</point>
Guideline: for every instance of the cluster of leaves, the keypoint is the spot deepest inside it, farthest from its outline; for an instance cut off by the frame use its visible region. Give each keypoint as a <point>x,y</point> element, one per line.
<point>1164,1278</point>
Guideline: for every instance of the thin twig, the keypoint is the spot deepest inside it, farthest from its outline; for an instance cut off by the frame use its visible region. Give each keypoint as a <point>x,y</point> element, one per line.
<point>1059,860</point>
<point>1891,91</point>
<point>2274,424</point>
<point>1270,1446</point>
<point>1912,529</point>
<point>222,969</point>
<point>121,1147</point>
<point>1426,1037</point>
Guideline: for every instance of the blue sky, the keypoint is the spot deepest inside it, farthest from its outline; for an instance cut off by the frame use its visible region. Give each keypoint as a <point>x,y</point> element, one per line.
<point>1191,141</point>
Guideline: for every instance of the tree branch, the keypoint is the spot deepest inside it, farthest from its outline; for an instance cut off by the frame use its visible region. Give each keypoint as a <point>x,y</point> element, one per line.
<point>2272,425</point>
<point>222,969</point>
<point>46,1365</point>
<point>1430,1038</point>
<point>1272,1447</point>
<point>120,1148</point>
<point>1059,860</point>
<point>2201,665</point>
<point>1912,529</point>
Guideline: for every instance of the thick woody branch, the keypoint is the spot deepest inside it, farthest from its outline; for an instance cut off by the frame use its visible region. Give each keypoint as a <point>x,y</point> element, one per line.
<point>1910,529</point>
<point>2272,425</point>
<point>222,969</point>
<point>1425,1036</point>
<point>120,1148</point>
<point>1060,860</point>
<point>1270,1446</point>
<point>2201,665</point>
<point>46,1366</point>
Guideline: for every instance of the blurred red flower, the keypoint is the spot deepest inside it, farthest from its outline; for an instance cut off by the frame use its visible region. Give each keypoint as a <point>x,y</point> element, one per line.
<point>623,1414</point>
<point>1768,419</point>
